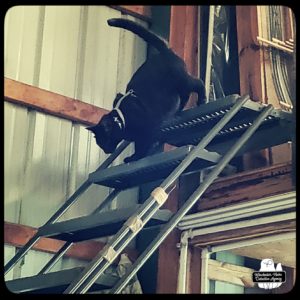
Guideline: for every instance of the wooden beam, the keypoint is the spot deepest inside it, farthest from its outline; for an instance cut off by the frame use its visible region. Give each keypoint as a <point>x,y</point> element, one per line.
<point>247,186</point>
<point>250,68</point>
<point>236,235</point>
<point>183,40</point>
<point>256,75</point>
<point>139,11</point>
<point>18,235</point>
<point>249,54</point>
<point>194,272</point>
<point>230,273</point>
<point>168,255</point>
<point>51,103</point>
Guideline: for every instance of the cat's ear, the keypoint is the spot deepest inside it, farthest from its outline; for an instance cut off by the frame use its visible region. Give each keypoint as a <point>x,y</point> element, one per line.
<point>91,128</point>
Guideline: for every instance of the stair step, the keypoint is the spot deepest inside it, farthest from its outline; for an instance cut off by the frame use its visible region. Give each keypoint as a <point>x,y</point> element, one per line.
<point>189,126</point>
<point>56,282</point>
<point>97,225</point>
<point>151,168</point>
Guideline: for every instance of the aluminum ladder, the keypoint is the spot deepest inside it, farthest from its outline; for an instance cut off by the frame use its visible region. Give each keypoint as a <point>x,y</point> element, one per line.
<point>145,212</point>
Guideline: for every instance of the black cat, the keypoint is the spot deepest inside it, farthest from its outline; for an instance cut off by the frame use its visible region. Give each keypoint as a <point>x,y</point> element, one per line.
<point>157,90</point>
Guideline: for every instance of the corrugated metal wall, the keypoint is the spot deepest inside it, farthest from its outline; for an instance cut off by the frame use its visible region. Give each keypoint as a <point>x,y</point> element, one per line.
<point>72,51</point>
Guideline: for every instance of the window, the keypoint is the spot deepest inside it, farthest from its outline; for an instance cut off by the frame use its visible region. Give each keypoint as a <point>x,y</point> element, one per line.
<point>218,50</point>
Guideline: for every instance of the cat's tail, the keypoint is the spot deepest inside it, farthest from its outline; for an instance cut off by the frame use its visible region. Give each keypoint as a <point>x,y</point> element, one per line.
<point>141,31</point>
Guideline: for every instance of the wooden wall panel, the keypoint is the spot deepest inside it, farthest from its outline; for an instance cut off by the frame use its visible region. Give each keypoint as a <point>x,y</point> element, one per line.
<point>247,186</point>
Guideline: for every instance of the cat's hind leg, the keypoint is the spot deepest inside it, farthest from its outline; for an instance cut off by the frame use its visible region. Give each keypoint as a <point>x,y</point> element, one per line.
<point>142,148</point>
<point>199,87</point>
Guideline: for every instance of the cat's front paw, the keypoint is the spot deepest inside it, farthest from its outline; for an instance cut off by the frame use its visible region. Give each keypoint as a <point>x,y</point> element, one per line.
<point>131,158</point>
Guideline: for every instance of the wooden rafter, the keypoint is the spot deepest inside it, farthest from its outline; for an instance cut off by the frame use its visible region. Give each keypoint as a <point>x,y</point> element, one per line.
<point>51,103</point>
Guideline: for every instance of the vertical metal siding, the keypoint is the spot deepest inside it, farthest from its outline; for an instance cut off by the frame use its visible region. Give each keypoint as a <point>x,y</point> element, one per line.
<point>72,51</point>
<point>21,28</point>
<point>9,252</point>
<point>46,172</point>
<point>59,49</point>
<point>98,57</point>
<point>15,125</point>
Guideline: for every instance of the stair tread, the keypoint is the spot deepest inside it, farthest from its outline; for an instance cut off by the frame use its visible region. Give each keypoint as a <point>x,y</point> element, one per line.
<point>150,168</point>
<point>97,225</point>
<point>197,122</point>
<point>188,128</point>
<point>56,282</point>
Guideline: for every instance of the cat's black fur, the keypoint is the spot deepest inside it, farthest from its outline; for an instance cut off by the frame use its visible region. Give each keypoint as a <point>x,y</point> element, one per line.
<point>161,86</point>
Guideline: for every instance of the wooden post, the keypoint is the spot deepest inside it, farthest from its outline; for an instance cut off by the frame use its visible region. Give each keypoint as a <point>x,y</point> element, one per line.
<point>256,75</point>
<point>194,273</point>
<point>250,58</point>
<point>183,40</point>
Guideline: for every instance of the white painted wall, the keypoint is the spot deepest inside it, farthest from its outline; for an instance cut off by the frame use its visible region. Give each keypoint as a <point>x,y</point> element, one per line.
<point>68,50</point>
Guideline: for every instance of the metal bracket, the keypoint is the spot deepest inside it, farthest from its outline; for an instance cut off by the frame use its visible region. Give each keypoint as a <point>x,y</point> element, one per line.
<point>159,195</point>
<point>134,223</point>
<point>108,253</point>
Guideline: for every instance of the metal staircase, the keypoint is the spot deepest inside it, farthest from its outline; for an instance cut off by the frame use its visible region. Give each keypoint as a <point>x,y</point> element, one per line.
<point>209,135</point>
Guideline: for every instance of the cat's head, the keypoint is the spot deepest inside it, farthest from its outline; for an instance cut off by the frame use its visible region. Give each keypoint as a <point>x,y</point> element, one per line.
<point>107,133</point>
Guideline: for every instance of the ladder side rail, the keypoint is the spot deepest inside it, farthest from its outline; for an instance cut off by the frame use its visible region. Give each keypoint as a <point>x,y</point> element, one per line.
<point>55,258</point>
<point>194,154</point>
<point>67,204</point>
<point>190,202</point>
<point>106,201</point>
<point>99,264</point>
<point>87,183</point>
<point>67,245</point>
<point>20,254</point>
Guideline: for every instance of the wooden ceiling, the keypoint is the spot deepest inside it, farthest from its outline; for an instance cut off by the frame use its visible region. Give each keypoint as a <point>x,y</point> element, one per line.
<point>283,252</point>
